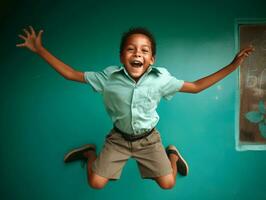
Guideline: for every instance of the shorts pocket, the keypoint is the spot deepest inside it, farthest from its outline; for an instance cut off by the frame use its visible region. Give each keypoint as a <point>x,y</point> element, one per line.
<point>151,139</point>
<point>110,134</point>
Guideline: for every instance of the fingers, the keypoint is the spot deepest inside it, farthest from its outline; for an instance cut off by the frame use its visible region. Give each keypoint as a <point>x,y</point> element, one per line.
<point>23,44</point>
<point>27,37</point>
<point>246,51</point>
<point>246,54</point>
<point>40,34</point>
<point>26,32</point>
<point>32,31</point>
<point>29,33</point>
<point>250,49</point>
<point>20,45</point>
<point>22,37</point>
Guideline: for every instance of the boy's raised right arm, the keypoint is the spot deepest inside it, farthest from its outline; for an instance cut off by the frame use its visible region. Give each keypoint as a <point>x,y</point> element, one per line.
<point>33,42</point>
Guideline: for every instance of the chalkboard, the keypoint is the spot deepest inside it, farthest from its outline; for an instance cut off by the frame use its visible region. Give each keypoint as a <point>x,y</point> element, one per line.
<point>252,89</point>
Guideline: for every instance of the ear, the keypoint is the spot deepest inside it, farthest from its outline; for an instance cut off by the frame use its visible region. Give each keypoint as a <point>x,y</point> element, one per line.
<point>152,60</point>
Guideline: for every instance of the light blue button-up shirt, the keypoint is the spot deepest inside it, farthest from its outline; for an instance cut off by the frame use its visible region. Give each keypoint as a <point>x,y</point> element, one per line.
<point>130,104</point>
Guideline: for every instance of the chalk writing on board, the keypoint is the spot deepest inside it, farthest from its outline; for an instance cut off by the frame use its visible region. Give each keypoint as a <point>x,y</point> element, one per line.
<point>256,82</point>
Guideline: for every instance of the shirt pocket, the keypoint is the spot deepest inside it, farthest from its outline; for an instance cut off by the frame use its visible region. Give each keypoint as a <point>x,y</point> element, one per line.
<point>152,98</point>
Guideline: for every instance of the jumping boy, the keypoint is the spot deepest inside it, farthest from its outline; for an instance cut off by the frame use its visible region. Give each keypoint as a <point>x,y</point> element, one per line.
<point>131,94</point>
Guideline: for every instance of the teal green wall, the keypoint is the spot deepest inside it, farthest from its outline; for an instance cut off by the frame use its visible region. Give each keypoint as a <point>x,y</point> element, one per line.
<point>43,115</point>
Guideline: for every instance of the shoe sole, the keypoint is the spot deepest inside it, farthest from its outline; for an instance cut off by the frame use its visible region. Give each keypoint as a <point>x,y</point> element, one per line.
<point>72,153</point>
<point>181,163</point>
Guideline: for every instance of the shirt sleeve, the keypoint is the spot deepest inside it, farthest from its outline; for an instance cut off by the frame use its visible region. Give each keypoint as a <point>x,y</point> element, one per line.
<point>97,80</point>
<point>171,85</point>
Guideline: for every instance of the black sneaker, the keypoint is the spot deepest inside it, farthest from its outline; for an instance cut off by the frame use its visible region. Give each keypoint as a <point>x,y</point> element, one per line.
<point>78,153</point>
<point>181,164</point>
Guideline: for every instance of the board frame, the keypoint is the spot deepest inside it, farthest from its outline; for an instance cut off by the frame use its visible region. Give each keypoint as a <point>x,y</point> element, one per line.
<point>243,146</point>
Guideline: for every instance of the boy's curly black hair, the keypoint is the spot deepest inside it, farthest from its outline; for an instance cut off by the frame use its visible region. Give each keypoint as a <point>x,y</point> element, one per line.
<point>138,30</point>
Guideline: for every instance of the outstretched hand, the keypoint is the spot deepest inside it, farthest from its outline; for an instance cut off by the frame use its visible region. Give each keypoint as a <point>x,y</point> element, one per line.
<point>242,55</point>
<point>31,41</point>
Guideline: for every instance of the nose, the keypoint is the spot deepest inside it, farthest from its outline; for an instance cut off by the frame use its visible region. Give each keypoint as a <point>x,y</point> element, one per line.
<point>137,53</point>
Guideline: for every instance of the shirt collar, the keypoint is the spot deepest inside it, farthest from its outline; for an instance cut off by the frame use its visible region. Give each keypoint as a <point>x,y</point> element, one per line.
<point>153,69</point>
<point>150,69</point>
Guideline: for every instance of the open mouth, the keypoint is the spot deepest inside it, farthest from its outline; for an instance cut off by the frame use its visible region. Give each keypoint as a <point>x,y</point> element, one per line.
<point>136,63</point>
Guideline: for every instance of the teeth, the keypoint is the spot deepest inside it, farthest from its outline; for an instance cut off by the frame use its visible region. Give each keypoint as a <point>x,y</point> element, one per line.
<point>136,63</point>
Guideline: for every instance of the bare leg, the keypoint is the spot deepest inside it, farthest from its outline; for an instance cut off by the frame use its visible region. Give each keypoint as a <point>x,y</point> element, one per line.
<point>168,181</point>
<point>94,180</point>
<point>173,159</point>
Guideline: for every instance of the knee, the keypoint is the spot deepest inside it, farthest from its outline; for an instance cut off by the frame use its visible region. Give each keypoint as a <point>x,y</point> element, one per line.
<point>96,186</point>
<point>97,182</point>
<point>167,186</point>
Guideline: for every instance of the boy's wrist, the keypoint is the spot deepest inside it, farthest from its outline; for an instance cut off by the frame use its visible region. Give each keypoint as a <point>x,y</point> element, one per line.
<point>40,50</point>
<point>234,65</point>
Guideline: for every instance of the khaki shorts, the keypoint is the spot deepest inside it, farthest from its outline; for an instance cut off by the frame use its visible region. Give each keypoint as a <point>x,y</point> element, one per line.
<point>149,153</point>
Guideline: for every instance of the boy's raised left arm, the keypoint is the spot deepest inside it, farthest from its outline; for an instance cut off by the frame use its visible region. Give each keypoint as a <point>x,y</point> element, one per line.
<point>33,42</point>
<point>204,83</point>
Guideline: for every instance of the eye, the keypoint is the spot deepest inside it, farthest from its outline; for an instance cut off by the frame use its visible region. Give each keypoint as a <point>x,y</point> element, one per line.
<point>145,50</point>
<point>130,48</point>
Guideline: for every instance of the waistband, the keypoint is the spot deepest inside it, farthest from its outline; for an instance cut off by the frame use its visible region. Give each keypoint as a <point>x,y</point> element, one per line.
<point>132,138</point>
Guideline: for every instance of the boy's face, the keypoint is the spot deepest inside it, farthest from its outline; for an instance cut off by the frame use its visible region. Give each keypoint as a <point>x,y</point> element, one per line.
<point>137,55</point>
